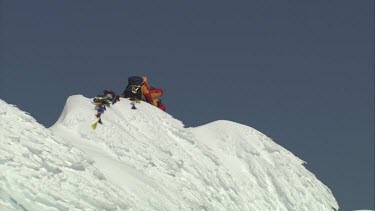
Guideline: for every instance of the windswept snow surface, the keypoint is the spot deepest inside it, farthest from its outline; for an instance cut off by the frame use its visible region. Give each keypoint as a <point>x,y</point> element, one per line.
<point>145,159</point>
<point>40,171</point>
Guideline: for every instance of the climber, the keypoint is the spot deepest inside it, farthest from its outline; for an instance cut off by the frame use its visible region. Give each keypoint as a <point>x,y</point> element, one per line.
<point>139,89</point>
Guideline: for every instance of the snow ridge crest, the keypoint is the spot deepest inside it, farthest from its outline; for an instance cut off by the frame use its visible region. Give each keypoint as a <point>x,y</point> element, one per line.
<point>145,159</point>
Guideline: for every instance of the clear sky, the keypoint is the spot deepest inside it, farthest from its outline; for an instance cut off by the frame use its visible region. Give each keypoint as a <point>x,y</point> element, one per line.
<point>300,71</point>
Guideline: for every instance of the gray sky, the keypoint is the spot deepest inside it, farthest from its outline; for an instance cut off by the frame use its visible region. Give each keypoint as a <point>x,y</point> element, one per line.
<point>302,72</point>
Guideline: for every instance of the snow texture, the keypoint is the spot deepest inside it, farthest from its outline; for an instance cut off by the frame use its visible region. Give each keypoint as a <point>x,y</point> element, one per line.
<point>144,159</point>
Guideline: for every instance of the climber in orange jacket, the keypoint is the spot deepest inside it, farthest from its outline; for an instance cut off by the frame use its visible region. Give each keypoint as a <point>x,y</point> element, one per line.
<point>138,88</point>
<point>152,94</point>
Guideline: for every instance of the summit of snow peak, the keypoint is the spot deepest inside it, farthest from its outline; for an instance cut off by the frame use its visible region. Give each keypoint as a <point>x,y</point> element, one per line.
<point>148,160</point>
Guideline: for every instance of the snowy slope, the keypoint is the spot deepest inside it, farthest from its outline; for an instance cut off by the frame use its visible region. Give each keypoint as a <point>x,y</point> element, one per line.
<point>145,159</point>
<point>40,171</point>
<point>268,176</point>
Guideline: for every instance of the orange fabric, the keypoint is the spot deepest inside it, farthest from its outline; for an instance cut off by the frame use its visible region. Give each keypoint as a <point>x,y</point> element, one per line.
<point>151,95</point>
<point>146,94</point>
<point>155,102</point>
<point>145,79</point>
<point>145,89</point>
<point>158,104</point>
<point>156,93</point>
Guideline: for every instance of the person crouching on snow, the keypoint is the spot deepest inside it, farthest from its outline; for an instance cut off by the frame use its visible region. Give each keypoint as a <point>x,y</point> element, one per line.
<point>138,88</point>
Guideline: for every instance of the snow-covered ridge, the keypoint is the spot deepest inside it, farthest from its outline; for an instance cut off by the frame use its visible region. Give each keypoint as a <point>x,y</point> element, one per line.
<point>145,159</point>
<point>41,171</point>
